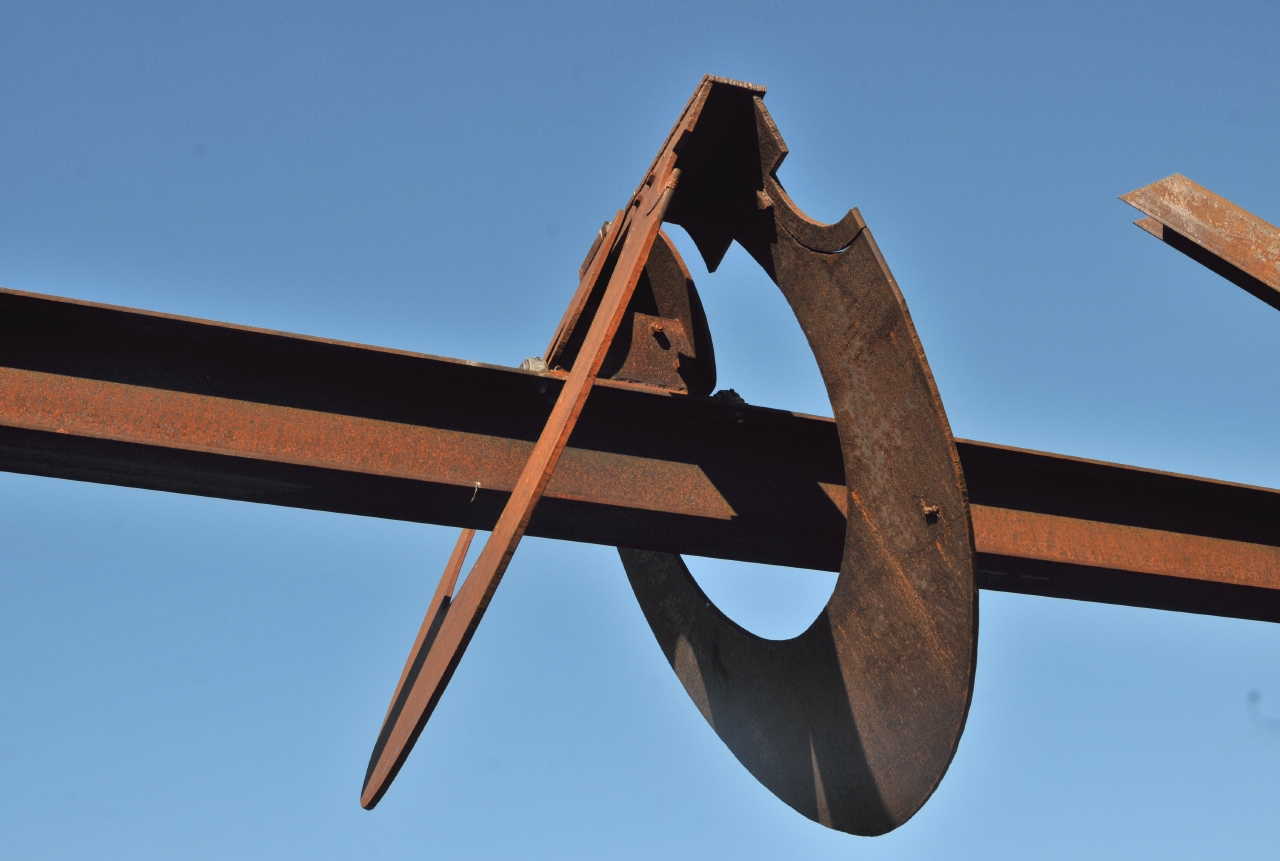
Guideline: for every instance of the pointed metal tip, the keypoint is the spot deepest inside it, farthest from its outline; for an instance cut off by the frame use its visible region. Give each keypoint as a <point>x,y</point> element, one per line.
<point>1172,179</point>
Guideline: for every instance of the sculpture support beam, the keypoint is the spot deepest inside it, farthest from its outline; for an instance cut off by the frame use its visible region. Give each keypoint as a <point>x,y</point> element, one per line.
<point>1214,232</point>
<point>117,396</point>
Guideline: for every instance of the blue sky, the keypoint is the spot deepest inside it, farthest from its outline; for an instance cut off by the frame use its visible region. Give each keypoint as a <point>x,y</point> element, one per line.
<point>192,678</point>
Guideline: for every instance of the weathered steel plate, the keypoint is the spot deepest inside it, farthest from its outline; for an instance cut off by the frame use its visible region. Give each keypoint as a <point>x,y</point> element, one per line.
<point>854,722</point>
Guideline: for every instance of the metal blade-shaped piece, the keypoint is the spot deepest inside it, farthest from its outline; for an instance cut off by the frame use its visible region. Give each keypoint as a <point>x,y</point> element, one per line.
<point>622,255</point>
<point>422,645</point>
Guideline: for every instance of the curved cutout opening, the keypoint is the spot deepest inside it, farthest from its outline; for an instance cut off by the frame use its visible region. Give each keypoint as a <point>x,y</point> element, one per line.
<point>769,364</point>
<point>854,722</point>
<point>761,352</point>
<point>770,601</point>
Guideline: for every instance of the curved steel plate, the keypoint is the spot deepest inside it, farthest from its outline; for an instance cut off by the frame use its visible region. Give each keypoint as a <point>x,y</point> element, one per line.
<point>854,722</point>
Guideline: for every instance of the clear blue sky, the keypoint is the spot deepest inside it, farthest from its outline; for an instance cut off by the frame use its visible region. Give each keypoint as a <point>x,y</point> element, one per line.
<point>192,678</point>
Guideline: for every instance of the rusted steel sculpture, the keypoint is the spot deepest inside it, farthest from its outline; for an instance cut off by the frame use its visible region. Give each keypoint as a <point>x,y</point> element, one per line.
<point>614,437</point>
<point>854,722</point>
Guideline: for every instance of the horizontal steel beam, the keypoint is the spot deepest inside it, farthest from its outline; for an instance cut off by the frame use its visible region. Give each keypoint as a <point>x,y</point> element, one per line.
<point>1214,232</point>
<point>118,396</point>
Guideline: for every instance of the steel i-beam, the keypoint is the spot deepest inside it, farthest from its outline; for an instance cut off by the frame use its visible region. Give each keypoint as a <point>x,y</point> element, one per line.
<point>134,398</point>
<point>1214,232</point>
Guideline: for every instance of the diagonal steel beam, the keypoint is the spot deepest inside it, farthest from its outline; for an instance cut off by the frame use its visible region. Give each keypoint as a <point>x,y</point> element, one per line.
<point>118,396</point>
<point>1214,232</point>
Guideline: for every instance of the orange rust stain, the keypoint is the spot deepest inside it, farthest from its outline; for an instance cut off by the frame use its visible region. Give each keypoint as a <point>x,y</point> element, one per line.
<point>1052,538</point>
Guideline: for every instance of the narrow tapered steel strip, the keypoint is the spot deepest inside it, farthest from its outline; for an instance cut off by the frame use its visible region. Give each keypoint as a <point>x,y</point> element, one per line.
<point>1214,232</point>
<point>631,242</point>
<point>435,611</point>
<point>401,730</point>
<point>460,624</point>
<point>431,622</point>
<point>578,305</point>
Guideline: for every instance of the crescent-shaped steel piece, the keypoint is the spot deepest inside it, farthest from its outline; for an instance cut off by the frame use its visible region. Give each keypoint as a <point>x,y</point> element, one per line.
<point>854,722</point>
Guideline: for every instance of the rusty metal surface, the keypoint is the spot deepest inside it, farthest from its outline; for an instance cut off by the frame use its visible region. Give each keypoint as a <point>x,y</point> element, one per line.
<point>427,634</point>
<point>438,657</point>
<point>1098,503</point>
<point>133,398</point>
<point>613,439</point>
<point>1093,544</point>
<point>664,340</point>
<point>854,722</point>
<point>1214,232</point>
<point>613,271</point>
